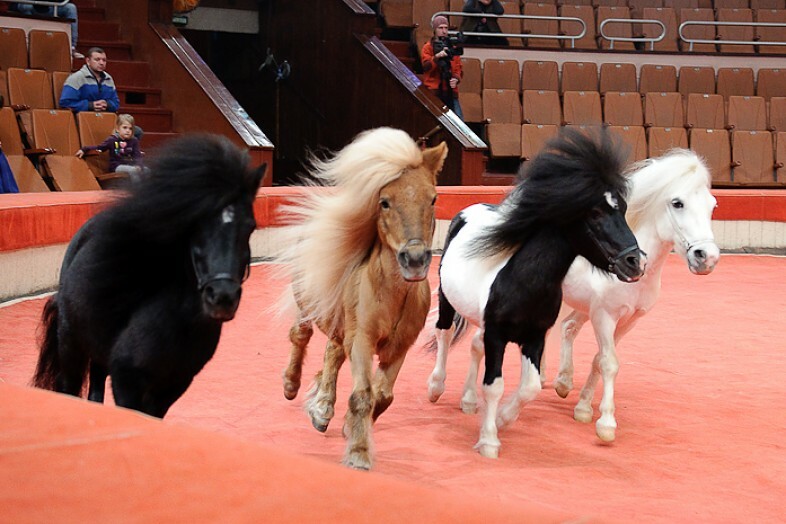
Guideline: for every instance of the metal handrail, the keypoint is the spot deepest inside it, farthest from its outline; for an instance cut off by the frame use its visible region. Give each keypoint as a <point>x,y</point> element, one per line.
<point>572,38</point>
<point>692,41</point>
<point>50,3</point>
<point>632,21</point>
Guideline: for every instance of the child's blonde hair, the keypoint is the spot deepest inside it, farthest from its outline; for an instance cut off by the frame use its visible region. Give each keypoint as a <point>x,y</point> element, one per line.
<point>124,119</point>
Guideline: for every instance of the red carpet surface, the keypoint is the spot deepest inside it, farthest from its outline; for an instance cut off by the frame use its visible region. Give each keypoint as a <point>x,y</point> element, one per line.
<point>699,405</point>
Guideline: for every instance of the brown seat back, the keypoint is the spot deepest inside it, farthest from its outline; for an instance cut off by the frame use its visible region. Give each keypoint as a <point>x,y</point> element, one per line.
<point>13,48</point>
<point>50,50</point>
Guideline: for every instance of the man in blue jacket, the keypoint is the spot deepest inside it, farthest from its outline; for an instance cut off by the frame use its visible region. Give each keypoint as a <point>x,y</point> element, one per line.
<point>91,88</point>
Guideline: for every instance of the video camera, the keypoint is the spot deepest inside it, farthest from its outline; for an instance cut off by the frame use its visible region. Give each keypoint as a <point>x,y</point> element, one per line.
<point>453,45</point>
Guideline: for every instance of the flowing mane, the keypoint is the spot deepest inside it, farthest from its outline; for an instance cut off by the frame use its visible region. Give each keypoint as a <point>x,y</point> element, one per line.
<point>566,179</point>
<point>656,180</point>
<point>331,231</point>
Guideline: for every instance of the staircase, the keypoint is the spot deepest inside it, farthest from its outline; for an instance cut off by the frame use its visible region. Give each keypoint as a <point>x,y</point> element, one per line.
<point>132,77</point>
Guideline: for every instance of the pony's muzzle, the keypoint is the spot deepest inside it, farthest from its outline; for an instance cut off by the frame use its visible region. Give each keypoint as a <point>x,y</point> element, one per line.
<point>221,298</point>
<point>414,260</point>
<point>629,265</point>
<point>702,259</point>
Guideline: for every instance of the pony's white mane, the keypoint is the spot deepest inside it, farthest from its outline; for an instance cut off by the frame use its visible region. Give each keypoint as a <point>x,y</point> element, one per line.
<point>330,231</point>
<point>654,180</point>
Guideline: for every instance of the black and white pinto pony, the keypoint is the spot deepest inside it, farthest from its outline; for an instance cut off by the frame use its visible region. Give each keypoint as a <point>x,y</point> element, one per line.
<point>146,284</point>
<point>669,207</point>
<point>503,266</point>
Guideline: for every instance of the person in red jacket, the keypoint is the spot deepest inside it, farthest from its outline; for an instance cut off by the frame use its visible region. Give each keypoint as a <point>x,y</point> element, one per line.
<point>442,70</point>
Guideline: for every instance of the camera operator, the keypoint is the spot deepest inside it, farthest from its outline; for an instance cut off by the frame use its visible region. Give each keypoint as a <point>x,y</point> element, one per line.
<point>483,24</point>
<point>442,65</point>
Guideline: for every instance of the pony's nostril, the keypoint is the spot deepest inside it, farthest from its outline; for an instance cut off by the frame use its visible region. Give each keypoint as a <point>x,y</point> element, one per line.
<point>700,254</point>
<point>632,261</point>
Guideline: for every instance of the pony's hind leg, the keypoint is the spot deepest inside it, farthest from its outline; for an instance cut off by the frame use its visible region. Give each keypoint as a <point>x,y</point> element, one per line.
<point>529,384</point>
<point>444,335</point>
<point>299,334</point>
<point>321,401</point>
<point>569,329</point>
<point>493,386</point>
<point>469,397</point>
<point>97,382</point>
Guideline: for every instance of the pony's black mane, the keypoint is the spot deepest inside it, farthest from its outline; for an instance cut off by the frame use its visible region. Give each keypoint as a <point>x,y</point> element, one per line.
<point>562,183</point>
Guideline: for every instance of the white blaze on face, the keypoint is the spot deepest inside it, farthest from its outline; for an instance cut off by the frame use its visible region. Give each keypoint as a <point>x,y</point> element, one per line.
<point>228,215</point>
<point>611,200</point>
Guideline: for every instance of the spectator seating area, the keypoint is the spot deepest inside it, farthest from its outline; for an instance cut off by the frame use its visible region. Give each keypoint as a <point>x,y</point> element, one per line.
<point>736,119</point>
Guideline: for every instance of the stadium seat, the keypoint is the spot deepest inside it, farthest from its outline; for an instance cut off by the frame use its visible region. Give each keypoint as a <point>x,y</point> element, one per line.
<point>501,106</point>
<point>571,28</point>
<point>49,50</point>
<point>27,177</point>
<point>780,158</point>
<point>770,83</point>
<point>541,107</point>
<point>713,145</point>
<point>582,107</point>
<point>699,32</point>
<point>705,111</point>
<point>541,27</point>
<point>777,113</point>
<point>618,77</point>
<point>535,136</point>
<point>668,17</point>
<point>768,4</point>
<point>731,4</point>
<point>504,139</point>
<point>657,78</point>
<point>635,138</point>
<point>662,139</point>
<point>771,34</point>
<point>735,32</point>
<point>58,79</point>
<point>94,128</point>
<point>622,109</point>
<point>696,80</point>
<point>663,110</point>
<point>753,158</point>
<point>735,81</point>
<point>397,13</point>
<point>56,129</point>
<point>579,76</point>
<point>746,113</point>
<point>614,29</point>
<point>511,25</point>
<point>4,86</point>
<point>471,106</point>
<point>501,74</point>
<point>13,48</point>
<point>472,81</point>
<point>539,74</point>
<point>32,89</point>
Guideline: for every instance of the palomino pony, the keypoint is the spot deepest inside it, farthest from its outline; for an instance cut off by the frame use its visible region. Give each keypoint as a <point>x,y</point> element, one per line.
<point>359,255</point>
<point>670,207</point>
<point>147,284</point>
<point>503,266</point>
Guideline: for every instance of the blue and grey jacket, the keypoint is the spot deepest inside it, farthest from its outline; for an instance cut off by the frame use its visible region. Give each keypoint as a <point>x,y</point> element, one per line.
<point>82,88</point>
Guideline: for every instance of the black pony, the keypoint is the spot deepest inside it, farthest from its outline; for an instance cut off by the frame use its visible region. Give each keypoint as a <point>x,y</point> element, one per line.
<point>503,266</point>
<point>146,284</point>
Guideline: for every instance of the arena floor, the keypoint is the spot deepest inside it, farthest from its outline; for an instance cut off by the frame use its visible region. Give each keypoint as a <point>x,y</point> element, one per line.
<point>699,406</point>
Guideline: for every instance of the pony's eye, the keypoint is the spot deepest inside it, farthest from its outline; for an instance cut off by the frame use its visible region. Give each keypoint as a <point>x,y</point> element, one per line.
<point>677,204</point>
<point>384,204</point>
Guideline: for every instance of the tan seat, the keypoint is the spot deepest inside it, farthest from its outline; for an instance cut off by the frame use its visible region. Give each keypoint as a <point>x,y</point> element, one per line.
<point>623,109</point>
<point>50,50</point>
<point>618,77</point>
<point>696,80</point>
<point>635,138</point>
<point>534,137</point>
<point>663,110</point>
<point>705,111</point>
<point>501,74</point>
<point>746,113</point>
<point>511,25</point>
<point>472,81</point>
<point>571,28</point>
<point>541,107</point>
<point>735,32</point>
<point>58,79</point>
<point>501,106</point>
<point>56,129</point>
<point>27,177</point>
<point>777,113</point>
<point>31,88</point>
<point>657,78</point>
<point>582,107</point>
<point>668,17</point>
<point>471,106</point>
<point>504,139</point>
<point>541,27</point>
<point>771,34</point>
<point>4,86</point>
<point>753,156</point>
<point>94,128</point>
<point>713,145</point>
<point>614,29</point>
<point>768,4</point>
<point>539,74</point>
<point>780,158</point>
<point>731,4</point>
<point>770,83</point>
<point>735,81</point>
<point>663,139</point>
<point>13,48</point>
<point>397,13</point>
<point>579,76</point>
<point>698,32</point>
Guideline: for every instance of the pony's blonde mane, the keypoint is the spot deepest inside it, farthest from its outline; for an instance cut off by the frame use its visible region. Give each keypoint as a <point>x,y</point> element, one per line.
<point>331,231</point>
<point>677,171</point>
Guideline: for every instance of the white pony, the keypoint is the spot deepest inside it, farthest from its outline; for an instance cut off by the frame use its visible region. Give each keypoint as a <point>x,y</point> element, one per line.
<point>669,207</point>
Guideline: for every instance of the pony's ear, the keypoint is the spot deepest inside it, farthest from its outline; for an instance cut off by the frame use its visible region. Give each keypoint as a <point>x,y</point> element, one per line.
<point>434,157</point>
<point>258,175</point>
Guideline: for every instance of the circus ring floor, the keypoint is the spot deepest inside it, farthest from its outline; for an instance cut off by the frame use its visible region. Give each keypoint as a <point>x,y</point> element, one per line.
<point>699,406</point>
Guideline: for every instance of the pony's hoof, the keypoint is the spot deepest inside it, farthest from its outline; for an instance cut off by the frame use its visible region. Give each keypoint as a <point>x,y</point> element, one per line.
<point>605,433</point>
<point>319,424</point>
<point>291,389</point>
<point>488,451</point>
<point>435,390</point>
<point>582,415</point>
<point>468,407</point>
<point>562,386</point>
<point>358,460</point>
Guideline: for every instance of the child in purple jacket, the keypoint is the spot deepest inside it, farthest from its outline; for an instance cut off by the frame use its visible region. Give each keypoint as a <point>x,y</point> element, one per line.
<point>125,156</point>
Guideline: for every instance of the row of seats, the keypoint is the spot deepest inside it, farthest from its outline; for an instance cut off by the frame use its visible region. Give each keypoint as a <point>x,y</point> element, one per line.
<point>34,88</point>
<point>586,76</point>
<point>49,162</point>
<point>735,158</point>
<point>47,50</point>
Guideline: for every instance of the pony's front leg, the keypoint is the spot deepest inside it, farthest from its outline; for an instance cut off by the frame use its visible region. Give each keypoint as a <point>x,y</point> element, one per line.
<point>357,427</point>
<point>97,388</point>
<point>299,335</point>
<point>384,380</point>
<point>321,399</point>
<point>569,329</point>
<point>469,398</point>
<point>436,382</point>
<point>493,387</point>
<point>529,385</point>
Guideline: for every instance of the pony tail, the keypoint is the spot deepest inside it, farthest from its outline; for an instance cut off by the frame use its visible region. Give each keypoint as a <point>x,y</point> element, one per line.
<point>48,365</point>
